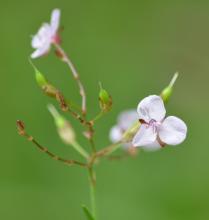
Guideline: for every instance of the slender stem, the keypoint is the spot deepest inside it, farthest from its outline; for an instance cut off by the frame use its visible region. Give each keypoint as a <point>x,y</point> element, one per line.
<point>91,140</point>
<point>74,106</point>
<point>87,124</point>
<point>80,150</point>
<point>67,60</point>
<point>78,117</point>
<point>98,116</point>
<point>21,130</point>
<point>92,185</point>
<point>108,150</point>
<point>104,152</point>
<point>52,155</point>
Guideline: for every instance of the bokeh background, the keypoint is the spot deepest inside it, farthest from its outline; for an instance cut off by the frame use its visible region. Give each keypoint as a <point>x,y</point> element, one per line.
<point>133,48</point>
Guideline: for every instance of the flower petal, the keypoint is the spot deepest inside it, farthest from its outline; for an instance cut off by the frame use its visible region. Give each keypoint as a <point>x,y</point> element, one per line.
<point>144,136</point>
<point>43,36</point>
<point>151,107</point>
<point>55,20</point>
<point>127,118</point>
<point>40,51</point>
<point>153,146</point>
<point>115,134</point>
<point>172,131</point>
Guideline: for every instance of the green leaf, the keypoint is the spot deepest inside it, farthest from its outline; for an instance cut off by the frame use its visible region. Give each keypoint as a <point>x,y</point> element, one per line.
<point>87,213</point>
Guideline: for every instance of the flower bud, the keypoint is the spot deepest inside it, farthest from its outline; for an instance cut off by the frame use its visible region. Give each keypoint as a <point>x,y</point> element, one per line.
<point>40,79</point>
<point>64,128</point>
<point>167,92</point>
<point>105,100</point>
<point>42,82</point>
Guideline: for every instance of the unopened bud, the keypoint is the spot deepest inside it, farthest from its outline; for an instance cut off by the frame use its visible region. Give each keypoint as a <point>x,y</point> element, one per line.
<point>64,128</point>
<point>105,100</point>
<point>40,79</point>
<point>42,82</point>
<point>20,127</point>
<point>66,133</point>
<point>63,104</point>
<point>167,92</point>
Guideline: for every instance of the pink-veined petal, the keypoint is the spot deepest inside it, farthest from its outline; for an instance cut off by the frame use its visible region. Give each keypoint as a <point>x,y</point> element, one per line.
<point>151,107</point>
<point>55,20</point>
<point>173,131</point>
<point>115,134</point>
<point>145,136</point>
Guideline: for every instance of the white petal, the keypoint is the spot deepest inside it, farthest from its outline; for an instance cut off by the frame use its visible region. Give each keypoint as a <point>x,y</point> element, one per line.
<point>40,51</point>
<point>144,136</point>
<point>127,118</point>
<point>55,20</point>
<point>36,43</point>
<point>43,37</point>
<point>115,134</point>
<point>153,146</point>
<point>172,131</point>
<point>151,107</point>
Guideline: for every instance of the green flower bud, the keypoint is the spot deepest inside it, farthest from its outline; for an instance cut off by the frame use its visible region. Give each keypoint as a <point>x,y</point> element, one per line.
<point>42,82</point>
<point>64,128</point>
<point>105,100</point>
<point>167,92</point>
<point>40,79</point>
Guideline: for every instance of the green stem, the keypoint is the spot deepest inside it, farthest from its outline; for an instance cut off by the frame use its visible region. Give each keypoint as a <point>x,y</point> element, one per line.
<point>80,150</point>
<point>92,184</point>
<point>67,60</point>
<point>108,150</point>
<point>98,116</point>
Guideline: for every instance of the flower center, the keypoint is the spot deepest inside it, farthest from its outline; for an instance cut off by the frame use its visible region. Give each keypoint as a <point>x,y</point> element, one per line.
<point>154,124</point>
<point>56,39</point>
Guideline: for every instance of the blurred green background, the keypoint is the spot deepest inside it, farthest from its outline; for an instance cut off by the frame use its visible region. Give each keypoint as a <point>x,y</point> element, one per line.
<point>133,48</point>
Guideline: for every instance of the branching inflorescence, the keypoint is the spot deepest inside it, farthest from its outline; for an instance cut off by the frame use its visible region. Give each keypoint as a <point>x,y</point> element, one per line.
<point>146,128</point>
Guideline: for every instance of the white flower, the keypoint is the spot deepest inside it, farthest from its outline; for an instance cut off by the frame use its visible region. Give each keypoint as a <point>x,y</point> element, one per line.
<point>46,35</point>
<point>125,120</point>
<point>156,130</point>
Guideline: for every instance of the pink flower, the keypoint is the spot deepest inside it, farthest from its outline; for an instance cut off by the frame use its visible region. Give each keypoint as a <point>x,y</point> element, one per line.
<point>156,130</point>
<point>46,35</point>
